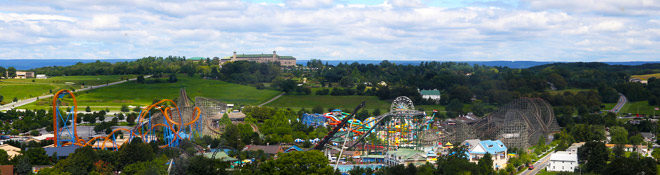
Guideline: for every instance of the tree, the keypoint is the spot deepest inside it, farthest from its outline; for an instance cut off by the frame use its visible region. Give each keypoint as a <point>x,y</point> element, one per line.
<point>172,78</point>
<point>131,118</point>
<point>4,157</point>
<point>298,162</point>
<point>15,99</point>
<point>11,71</point>
<point>37,156</point>
<point>134,151</point>
<point>124,108</point>
<point>79,162</point>
<point>486,164</point>
<point>140,79</point>
<point>376,112</point>
<point>88,109</point>
<point>619,135</point>
<point>2,72</point>
<point>455,106</point>
<point>456,163</point>
<point>317,110</point>
<point>23,166</point>
<point>202,165</point>
<point>595,155</point>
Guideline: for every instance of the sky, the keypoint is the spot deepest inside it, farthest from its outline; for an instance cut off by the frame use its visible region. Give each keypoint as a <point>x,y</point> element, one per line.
<point>441,30</point>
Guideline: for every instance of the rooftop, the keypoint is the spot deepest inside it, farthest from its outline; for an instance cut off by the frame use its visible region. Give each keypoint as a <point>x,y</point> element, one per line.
<point>196,58</point>
<point>563,156</point>
<point>430,92</point>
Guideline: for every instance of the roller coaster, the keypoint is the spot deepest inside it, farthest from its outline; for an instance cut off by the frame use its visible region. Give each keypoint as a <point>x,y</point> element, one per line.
<point>158,115</point>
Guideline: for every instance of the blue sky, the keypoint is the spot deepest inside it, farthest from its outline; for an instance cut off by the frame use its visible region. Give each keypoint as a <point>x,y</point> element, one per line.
<point>443,30</point>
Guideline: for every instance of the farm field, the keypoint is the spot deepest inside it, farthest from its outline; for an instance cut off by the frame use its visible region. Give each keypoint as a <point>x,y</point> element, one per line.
<point>25,88</point>
<point>646,76</point>
<point>135,94</point>
<point>642,106</point>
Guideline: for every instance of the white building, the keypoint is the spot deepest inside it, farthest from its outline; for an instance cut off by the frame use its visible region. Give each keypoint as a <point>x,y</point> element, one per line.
<point>430,94</point>
<point>405,156</point>
<point>42,76</point>
<point>563,161</point>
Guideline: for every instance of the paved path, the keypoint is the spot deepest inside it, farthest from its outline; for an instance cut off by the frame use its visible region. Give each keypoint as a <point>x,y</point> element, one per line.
<point>539,165</point>
<point>12,105</point>
<point>271,100</point>
<point>619,104</point>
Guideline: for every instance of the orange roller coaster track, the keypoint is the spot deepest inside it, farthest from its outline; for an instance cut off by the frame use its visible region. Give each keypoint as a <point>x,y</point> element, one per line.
<point>145,128</point>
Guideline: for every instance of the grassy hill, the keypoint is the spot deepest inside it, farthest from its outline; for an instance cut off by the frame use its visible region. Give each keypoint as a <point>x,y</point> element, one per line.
<point>342,102</point>
<point>133,93</point>
<point>26,88</point>
<point>646,76</point>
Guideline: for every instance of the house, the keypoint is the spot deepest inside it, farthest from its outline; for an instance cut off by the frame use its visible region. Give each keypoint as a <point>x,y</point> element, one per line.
<point>268,149</point>
<point>574,147</point>
<point>430,94</point>
<point>24,75</point>
<point>6,169</point>
<point>478,148</point>
<point>648,137</point>
<point>11,150</point>
<point>220,155</point>
<point>641,149</point>
<point>42,76</point>
<point>563,161</point>
<point>404,156</point>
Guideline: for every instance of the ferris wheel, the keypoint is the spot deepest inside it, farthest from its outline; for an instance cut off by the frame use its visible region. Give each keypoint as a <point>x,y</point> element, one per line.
<point>402,103</point>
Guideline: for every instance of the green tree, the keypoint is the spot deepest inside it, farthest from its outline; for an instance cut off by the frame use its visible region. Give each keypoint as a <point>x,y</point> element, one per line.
<point>134,151</point>
<point>4,157</point>
<point>124,108</point>
<point>88,109</point>
<point>303,162</point>
<point>2,72</point>
<point>23,165</point>
<point>456,163</point>
<point>37,156</point>
<point>619,135</point>
<point>455,107</point>
<point>317,110</point>
<point>11,71</point>
<point>140,79</point>
<point>486,164</point>
<point>596,155</point>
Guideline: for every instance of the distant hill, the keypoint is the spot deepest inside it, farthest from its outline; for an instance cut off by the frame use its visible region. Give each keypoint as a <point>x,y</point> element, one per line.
<point>511,64</point>
<point>25,64</point>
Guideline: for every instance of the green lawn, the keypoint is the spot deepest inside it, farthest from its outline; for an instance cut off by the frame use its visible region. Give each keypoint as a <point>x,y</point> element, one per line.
<point>641,107</point>
<point>25,88</point>
<point>135,94</point>
<point>326,101</point>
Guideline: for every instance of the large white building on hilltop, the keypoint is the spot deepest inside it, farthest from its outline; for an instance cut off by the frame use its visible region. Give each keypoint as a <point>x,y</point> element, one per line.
<point>563,161</point>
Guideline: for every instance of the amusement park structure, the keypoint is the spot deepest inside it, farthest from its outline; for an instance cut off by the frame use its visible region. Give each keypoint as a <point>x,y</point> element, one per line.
<point>519,124</point>
<point>163,122</point>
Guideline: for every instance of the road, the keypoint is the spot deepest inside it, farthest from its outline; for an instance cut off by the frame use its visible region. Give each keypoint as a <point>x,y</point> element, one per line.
<point>271,100</point>
<point>619,104</point>
<point>539,165</point>
<point>13,105</point>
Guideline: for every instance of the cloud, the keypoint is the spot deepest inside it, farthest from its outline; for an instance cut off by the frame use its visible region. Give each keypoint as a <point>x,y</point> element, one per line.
<point>540,30</point>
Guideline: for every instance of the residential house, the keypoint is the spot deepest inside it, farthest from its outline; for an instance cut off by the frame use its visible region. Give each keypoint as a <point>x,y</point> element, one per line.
<point>563,161</point>
<point>478,148</point>
<point>24,75</point>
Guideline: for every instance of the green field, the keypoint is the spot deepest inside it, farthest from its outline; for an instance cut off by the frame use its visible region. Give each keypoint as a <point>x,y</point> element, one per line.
<point>135,94</point>
<point>646,76</point>
<point>326,101</point>
<point>25,88</point>
<point>568,90</point>
<point>641,107</point>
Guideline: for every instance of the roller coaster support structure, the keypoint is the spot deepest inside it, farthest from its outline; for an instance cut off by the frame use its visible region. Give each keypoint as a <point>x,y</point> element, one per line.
<point>343,123</point>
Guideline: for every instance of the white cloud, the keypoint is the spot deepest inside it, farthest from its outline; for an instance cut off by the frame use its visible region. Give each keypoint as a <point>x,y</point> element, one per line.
<point>396,29</point>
